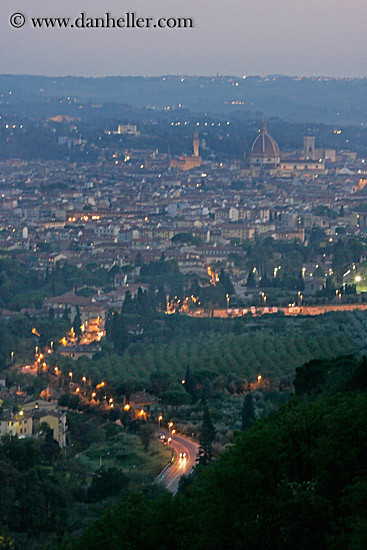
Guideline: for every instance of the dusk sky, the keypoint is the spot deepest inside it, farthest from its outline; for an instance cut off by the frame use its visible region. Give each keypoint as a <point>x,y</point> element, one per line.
<point>292,37</point>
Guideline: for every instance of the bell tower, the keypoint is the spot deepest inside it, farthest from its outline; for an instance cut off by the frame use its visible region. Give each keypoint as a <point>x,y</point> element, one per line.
<point>309,147</point>
<point>196,144</point>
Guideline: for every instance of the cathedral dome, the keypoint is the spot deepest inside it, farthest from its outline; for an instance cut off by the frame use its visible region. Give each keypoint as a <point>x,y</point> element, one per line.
<point>265,150</point>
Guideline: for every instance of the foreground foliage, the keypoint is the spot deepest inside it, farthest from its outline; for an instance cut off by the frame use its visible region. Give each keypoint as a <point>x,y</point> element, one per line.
<point>296,479</point>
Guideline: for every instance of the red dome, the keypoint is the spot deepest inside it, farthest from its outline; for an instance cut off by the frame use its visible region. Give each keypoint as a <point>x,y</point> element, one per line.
<point>265,146</point>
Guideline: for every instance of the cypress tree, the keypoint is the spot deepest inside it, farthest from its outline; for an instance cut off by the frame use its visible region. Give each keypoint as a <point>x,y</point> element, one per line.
<point>251,282</point>
<point>206,440</point>
<point>248,412</point>
<point>77,324</point>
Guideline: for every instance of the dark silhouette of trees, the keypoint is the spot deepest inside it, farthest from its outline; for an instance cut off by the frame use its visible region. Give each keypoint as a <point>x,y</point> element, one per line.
<point>248,412</point>
<point>207,437</point>
<point>251,281</point>
<point>116,331</point>
<point>77,323</point>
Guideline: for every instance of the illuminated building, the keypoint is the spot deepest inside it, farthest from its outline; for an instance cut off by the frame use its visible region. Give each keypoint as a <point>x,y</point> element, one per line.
<point>265,157</point>
<point>188,163</point>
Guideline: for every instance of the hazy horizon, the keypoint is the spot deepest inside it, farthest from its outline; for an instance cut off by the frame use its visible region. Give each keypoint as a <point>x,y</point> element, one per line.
<point>190,75</point>
<point>238,38</point>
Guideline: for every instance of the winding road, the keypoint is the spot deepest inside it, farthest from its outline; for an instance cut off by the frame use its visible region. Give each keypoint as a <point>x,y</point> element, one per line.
<point>170,477</point>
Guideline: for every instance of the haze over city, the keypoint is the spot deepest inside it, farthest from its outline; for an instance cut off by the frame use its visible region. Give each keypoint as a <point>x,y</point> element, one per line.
<point>236,37</point>
<point>183,275</point>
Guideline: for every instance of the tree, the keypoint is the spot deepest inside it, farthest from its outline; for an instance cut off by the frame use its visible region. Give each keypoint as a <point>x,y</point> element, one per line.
<point>50,448</point>
<point>138,260</point>
<point>77,323</point>
<point>161,299</point>
<point>226,282</point>
<point>145,435</point>
<point>251,282</point>
<point>265,281</point>
<point>206,440</point>
<point>159,381</point>
<point>128,305</point>
<point>107,482</point>
<point>189,382</point>
<point>175,395</point>
<point>65,315</point>
<point>248,412</point>
<point>117,332</point>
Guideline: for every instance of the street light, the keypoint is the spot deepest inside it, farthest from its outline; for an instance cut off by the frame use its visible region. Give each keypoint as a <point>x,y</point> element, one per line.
<point>160,417</point>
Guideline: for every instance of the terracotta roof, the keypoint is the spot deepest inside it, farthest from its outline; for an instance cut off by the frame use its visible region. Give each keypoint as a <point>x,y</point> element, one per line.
<point>264,145</point>
<point>70,298</point>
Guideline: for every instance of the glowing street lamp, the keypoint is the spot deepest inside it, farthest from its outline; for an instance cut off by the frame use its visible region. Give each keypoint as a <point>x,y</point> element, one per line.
<point>160,417</point>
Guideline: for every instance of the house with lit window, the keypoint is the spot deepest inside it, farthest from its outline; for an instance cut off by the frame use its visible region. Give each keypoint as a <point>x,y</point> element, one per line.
<point>16,425</point>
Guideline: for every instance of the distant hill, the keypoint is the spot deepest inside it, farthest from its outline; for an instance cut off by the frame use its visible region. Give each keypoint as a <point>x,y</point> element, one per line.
<point>307,99</point>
